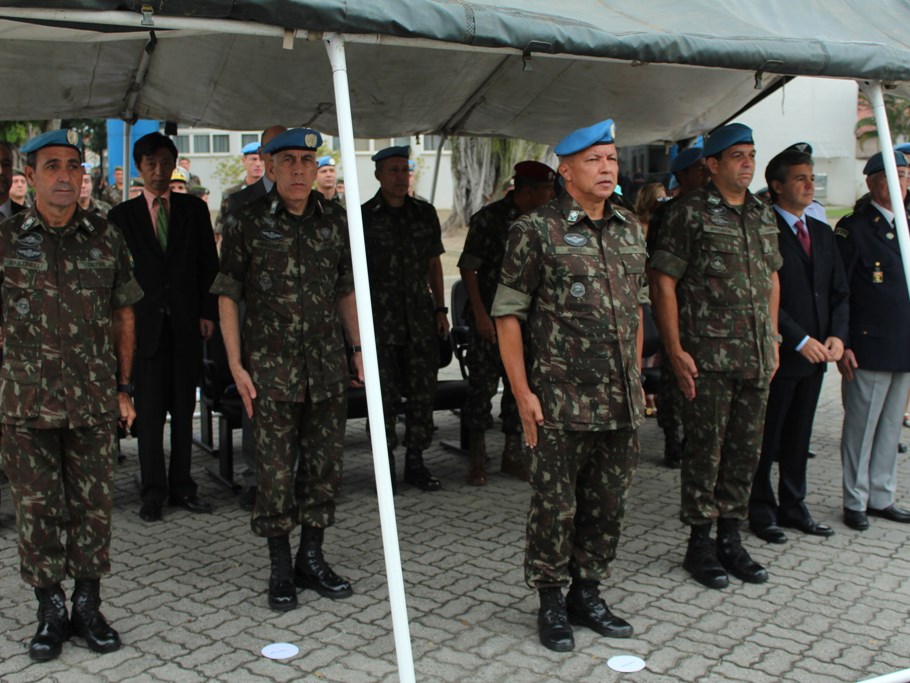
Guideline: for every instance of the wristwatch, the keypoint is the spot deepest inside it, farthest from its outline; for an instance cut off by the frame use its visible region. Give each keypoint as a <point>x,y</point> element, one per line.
<point>355,349</point>
<point>441,309</point>
<point>125,389</point>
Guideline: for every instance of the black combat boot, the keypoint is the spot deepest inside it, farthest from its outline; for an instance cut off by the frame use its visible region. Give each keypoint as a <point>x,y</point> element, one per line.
<point>553,621</point>
<point>513,462</point>
<point>672,448</point>
<point>416,473</point>
<point>477,452</point>
<point>87,621</point>
<point>312,571</point>
<point>586,608</point>
<point>701,558</point>
<point>282,593</point>
<point>734,557</point>
<point>53,624</point>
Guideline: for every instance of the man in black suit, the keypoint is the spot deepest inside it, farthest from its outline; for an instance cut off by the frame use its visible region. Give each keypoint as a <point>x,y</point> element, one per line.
<point>7,206</point>
<point>170,238</point>
<point>813,321</point>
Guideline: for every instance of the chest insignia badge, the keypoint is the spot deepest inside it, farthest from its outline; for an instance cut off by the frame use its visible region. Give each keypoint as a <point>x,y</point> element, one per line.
<point>878,275</point>
<point>325,232</point>
<point>29,253</point>
<point>577,290</point>
<point>271,235</point>
<point>23,307</point>
<point>573,239</point>
<point>31,239</point>
<point>265,281</point>
<point>96,254</point>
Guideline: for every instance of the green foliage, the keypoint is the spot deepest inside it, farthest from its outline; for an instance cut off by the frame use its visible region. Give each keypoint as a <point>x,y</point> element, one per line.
<point>897,110</point>
<point>15,132</point>
<point>229,171</point>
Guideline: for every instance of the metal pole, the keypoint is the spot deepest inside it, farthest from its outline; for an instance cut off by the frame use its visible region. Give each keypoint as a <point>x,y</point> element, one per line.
<point>896,677</point>
<point>334,44</point>
<point>442,143</point>
<point>873,91</point>
<point>127,131</point>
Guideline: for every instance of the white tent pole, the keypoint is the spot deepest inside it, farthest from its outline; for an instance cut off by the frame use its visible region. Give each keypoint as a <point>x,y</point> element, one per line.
<point>334,44</point>
<point>442,143</point>
<point>873,91</point>
<point>127,130</point>
<point>896,677</point>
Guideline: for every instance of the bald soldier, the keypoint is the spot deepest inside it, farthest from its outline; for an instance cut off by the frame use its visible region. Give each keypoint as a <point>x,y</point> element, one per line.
<point>574,272</point>
<point>68,338</point>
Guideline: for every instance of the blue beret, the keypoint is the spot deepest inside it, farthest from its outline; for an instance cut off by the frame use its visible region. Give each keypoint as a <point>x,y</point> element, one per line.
<point>250,148</point>
<point>412,165</point>
<point>324,161</point>
<point>905,148</point>
<point>876,163</point>
<point>63,137</point>
<point>389,152</point>
<point>294,138</point>
<point>599,134</point>
<point>674,183</point>
<point>686,158</point>
<point>727,136</point>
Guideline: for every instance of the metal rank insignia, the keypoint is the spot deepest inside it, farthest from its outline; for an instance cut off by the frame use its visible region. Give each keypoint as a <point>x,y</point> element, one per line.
<point>878,276</point>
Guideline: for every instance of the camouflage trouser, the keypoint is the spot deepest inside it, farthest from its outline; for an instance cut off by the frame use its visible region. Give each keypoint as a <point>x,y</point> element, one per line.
<point>669,397</point>
<point>409,370</point>
<point>484,371</point>
<point>579,482</point>
<point>60,480</point>
<point>723,425</point>
<point>309,436</point>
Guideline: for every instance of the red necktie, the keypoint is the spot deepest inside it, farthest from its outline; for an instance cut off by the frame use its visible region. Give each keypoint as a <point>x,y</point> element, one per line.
<point>802,234</point>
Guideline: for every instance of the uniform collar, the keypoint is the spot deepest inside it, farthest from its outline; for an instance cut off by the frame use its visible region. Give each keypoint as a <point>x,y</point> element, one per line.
<point>32,222</point>
<point>715,198</point>
<point>313,204</point>
<point>573,212</point>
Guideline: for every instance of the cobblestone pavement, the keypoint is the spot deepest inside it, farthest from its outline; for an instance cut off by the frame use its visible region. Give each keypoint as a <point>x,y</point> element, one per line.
<point>188,594</point>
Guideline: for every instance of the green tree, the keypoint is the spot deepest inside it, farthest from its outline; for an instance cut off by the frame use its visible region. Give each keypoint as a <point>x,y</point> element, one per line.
<point>480,167</point>
<point>897,110</point>
<point>229,171</point>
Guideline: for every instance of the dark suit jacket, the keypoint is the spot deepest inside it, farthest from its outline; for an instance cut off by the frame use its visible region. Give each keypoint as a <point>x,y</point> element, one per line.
<point>176,282</point>
<point>814,299</point>
<point>243,197</point>
<point>879,311</point>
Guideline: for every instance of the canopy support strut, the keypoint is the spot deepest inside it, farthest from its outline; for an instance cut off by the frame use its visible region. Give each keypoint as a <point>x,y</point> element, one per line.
<point>334,43</point>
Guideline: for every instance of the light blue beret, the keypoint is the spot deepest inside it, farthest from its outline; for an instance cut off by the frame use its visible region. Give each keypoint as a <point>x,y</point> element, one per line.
<point>876,163</point>
<point>727,136</point>
<point>324,161</point>
<point>686,158</point>
<point>389,152</point>
<point>294,138</point>
<point>412,165</point>
<point>905,148</point>
<point>250,148</point>
<point>601,133</point>
<point>63,137</point>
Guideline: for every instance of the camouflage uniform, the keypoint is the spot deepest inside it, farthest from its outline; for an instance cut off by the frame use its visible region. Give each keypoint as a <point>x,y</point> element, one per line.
<point>111,195</point>
<point>399,245</point>
<point>723,257</point>
<point>483,251</point>
<point>98,207</point>
<point>290,270</point>
<point>669,397</point>
<point>58,388</point>
<point>579,284</point>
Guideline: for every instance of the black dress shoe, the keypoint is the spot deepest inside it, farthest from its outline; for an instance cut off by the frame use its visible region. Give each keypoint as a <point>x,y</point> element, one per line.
<point>191,503</point>
<point>553,621</point>
<point>770,534</point>
<point>892,512</point>
<point>586,608</point>
<point>856,519</point>
<point>807,526</point>
<point>150,511</point>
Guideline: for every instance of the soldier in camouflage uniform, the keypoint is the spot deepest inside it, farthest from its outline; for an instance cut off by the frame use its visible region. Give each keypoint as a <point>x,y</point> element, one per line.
<point>480,265</point>
<point>67,329</point>
<point>691,173</point>
<point>254,165</point>
<point>113,194</point>
<point>89,203</point>
<point>403,244</point>
<point>716,294</point>
<point>287,257</point>
<point>574,270</point>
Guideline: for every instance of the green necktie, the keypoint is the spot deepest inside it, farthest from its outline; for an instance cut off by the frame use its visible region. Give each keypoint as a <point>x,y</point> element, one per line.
<point>162,223</point>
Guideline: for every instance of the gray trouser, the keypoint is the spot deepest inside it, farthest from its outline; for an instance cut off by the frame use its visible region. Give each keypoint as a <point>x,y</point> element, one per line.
<point>874,405</point>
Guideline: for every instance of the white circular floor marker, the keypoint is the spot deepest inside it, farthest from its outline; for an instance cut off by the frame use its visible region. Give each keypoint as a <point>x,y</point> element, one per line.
<point>626,663</point>
<point>283,651</point>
